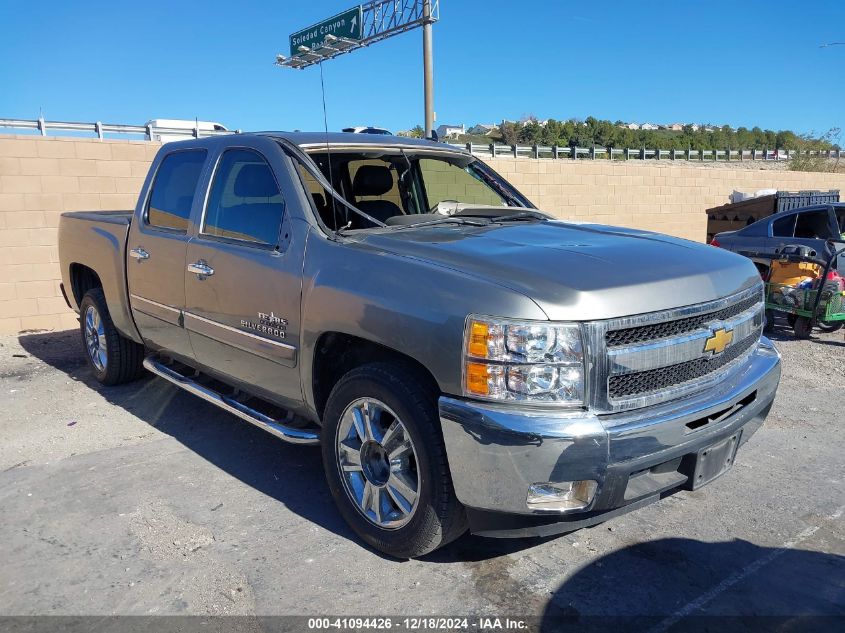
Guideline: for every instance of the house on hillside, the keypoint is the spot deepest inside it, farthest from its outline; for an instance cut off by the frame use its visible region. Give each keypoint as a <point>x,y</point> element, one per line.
<point>649,126</point>
<point>450,131</point>
<point>695,127</point>
<point>483,129</point>
<point>675,127</point>
<point>630,126</point>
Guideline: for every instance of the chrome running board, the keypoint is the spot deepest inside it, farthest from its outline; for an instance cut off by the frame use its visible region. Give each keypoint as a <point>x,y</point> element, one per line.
<point>286,433</point>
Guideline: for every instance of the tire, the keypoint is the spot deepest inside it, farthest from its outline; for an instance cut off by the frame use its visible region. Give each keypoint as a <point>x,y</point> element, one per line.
<point>769,324</point>
<point>113,358</point>
<point>402,413</point>
<point>790,318</point>
<point>829,328</point>
<point>803,327</point>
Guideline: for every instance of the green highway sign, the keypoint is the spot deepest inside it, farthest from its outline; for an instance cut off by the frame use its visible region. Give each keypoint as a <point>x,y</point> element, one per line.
<point>346,24</point>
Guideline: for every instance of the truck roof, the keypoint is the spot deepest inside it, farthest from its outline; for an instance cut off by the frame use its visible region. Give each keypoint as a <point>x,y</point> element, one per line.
<point>306,139</point>
<point>315,140</point>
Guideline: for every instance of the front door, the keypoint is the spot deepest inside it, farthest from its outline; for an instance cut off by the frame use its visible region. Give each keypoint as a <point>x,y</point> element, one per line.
<point>156,251</point>
<point>243,279</point>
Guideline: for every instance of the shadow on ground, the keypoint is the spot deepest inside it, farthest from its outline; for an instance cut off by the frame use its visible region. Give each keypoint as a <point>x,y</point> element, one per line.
<point>688,585</point>
<point>290,474</point>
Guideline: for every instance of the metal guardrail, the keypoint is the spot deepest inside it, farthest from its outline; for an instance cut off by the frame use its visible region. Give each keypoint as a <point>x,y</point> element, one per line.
<point>615,153</point>
<point>493,149</point>
<point>101,129</point>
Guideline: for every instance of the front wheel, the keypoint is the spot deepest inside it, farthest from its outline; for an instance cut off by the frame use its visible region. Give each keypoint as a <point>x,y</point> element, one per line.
<point>113,358</point>
<point>833,326</point>
<point>385,462</point>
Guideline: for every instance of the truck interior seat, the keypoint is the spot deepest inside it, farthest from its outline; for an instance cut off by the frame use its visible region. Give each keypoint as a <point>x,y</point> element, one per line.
<point>374,180</point>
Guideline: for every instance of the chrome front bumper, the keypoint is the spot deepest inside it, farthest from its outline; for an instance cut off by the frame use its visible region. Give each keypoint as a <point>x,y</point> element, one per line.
<point>496,452</point>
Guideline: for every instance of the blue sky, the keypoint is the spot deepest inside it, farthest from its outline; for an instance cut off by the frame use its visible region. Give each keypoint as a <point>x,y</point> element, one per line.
<point>746,62</point>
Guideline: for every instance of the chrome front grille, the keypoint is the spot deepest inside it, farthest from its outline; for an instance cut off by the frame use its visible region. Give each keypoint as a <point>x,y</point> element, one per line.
<point>660,356</point>
<point>644,333</point>
<point>655,380</point>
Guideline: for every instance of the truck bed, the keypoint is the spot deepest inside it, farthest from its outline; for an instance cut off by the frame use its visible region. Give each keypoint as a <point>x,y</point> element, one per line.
<point>109,217</point>
<point>96,240</point>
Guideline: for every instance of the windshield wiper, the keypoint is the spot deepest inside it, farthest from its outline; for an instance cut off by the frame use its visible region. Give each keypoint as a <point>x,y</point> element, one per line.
<point>522,215</point>
<point>451,219</point>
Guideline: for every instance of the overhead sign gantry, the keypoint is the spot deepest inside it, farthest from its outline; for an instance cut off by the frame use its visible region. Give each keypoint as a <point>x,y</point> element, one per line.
<point>364,25</point>
<point>346,25</point>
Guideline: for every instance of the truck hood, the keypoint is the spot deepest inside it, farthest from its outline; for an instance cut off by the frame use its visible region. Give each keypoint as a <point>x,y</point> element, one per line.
<point>578,271</point>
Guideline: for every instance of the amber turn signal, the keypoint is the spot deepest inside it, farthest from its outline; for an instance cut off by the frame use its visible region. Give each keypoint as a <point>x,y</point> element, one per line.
<point>476,379</point>
<point>478,334</point>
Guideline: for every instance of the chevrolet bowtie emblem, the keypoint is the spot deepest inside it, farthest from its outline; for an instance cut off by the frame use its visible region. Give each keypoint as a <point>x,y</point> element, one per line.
<point>718,341</point>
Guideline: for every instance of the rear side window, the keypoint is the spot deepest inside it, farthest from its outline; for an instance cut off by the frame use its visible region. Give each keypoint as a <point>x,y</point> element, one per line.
<point>173,190</point>
<point>245,202</point>
<point>785,227</point>
<point>813,225</point>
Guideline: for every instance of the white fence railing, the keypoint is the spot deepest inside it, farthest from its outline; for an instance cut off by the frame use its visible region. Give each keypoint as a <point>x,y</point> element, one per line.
<point>615,153</point>
<point>149,132</point>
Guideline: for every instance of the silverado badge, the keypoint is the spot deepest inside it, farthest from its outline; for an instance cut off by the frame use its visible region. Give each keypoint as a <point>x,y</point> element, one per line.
<point>267,324</point>
<point>718,341</point>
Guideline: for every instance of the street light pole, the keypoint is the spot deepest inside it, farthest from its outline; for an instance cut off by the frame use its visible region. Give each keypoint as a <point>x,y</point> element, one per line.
<point>428,69</point>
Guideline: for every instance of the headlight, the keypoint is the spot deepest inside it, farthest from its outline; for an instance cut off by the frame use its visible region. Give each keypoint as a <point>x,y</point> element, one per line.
<point>528,361</point>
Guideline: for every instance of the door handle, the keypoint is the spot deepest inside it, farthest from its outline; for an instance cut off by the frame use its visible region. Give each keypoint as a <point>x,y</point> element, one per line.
<point>139,253</point>
<point>201,269</point>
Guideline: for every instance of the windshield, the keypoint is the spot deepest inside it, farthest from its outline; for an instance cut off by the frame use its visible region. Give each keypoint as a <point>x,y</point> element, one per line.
<point>405,186</point>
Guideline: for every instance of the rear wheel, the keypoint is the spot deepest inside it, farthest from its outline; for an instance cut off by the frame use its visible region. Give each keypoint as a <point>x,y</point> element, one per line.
<point>385,462</point>
<point>113,358</point>
<point>803,327</point>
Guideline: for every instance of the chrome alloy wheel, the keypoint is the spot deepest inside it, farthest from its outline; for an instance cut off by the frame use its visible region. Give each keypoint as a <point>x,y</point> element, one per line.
<point>95,338</point>
<point>378,463</point>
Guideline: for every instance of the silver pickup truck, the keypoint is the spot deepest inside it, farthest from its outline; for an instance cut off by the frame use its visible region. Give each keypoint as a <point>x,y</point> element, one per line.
<point>464,361</point>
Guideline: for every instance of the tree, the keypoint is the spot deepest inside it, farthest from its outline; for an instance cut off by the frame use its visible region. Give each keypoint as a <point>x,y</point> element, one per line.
<point>509,132</point>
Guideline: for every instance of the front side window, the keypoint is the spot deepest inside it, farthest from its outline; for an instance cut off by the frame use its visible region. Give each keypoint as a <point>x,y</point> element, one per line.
<point>245,202</point>
<point>840,221</point>
<point>813,225</point>
<point>172,194</point>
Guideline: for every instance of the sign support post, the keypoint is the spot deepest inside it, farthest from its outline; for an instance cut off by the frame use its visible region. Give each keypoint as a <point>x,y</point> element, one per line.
<point>428,70</point>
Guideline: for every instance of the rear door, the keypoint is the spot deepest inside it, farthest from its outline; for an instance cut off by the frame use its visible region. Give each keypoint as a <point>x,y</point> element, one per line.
<point>243,277</point>
<point>157,244</point>
<point>783,232</point>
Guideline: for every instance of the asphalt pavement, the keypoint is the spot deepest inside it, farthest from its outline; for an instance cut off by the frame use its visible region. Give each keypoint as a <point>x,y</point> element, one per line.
<point>143,500</point>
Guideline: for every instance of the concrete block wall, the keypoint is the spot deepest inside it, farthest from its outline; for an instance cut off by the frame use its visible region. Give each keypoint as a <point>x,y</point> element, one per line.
<point>41,177</point>
<point>667,198</point>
